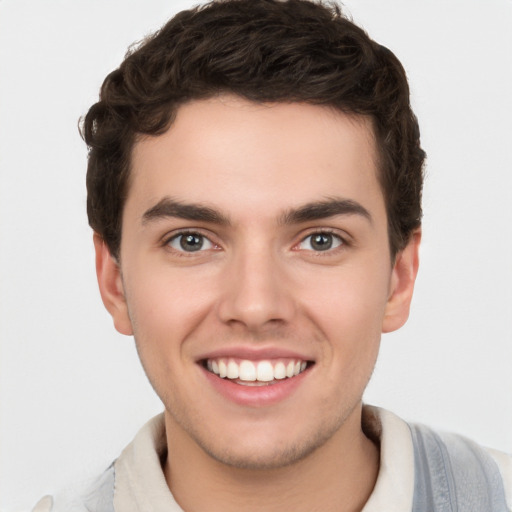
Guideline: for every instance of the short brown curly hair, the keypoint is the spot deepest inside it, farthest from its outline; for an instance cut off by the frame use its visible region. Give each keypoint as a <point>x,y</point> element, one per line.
<point>264,51</point>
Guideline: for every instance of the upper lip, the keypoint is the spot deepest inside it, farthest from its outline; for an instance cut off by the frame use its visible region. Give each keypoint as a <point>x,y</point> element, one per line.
<point>254,353</point>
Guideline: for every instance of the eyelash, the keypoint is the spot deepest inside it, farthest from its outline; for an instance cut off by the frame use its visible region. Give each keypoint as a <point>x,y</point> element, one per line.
<point>166,242</point>
<point>342,242</point>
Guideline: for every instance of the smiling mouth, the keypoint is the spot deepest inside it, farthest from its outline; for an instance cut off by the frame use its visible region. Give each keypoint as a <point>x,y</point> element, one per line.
<point>256,373</point>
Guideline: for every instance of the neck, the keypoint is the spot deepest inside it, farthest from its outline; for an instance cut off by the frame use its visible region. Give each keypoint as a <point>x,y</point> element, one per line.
<point>339,476</point>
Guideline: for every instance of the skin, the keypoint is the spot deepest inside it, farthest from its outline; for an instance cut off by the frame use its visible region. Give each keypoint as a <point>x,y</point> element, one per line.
<point>258,282</point>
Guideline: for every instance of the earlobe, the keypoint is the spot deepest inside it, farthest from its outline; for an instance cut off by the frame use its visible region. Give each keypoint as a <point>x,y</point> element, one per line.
<point>402,282</point>
<point>111,286</point>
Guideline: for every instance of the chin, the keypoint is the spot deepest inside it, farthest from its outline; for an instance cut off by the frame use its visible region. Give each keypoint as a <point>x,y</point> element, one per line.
<point>269,453</point>
<point>257,461</point>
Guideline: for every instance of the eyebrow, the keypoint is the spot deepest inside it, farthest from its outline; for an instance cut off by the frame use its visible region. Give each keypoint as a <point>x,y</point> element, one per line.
<point>323,209</point>
<point>168,207</point>
<point>316,210</point>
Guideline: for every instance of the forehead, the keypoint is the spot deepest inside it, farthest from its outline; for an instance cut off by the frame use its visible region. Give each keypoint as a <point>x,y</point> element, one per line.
<point>267,157</point>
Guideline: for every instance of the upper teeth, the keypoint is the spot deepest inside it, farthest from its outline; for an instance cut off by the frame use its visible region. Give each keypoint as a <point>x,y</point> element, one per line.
<point>263,371</point>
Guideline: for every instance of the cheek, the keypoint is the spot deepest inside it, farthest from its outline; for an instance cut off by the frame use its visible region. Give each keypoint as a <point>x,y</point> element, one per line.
<point>165,307</point>
<point>349,302</point>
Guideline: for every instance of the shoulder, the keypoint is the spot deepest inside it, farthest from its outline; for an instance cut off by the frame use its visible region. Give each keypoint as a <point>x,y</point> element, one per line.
<point>427,471</point>
<point>96,494</point>
<point>461,470</point>
<point>504,463</point>
<point>136,473</point>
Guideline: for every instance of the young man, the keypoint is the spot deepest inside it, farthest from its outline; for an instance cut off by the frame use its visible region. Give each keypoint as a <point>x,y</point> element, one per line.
<point>254,186</point>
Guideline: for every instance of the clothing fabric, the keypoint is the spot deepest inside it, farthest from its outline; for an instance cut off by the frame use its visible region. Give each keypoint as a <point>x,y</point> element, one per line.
<point>420,471</point>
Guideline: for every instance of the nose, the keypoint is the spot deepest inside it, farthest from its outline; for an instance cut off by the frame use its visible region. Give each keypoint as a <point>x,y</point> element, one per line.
<point>256,291</point>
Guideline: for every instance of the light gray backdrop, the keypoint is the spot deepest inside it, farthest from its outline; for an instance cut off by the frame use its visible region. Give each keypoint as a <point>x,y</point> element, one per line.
<point>72,392</point>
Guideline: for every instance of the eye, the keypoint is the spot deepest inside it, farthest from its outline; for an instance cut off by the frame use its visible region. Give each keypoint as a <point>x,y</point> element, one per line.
<point>321,242</point>
<point>190,242</point>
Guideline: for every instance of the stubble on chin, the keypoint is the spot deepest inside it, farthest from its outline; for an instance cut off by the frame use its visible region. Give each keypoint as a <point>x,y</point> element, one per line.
<point>282,454</point>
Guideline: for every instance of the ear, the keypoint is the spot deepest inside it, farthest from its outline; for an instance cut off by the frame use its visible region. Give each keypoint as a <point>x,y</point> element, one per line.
<point>402,282</point>
<point>111,286</point>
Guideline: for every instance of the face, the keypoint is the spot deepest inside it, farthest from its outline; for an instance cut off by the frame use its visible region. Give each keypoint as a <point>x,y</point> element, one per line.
<point>256,277</point>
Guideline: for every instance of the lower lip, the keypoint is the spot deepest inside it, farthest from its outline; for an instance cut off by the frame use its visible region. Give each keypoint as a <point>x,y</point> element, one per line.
<point>256,396</point>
